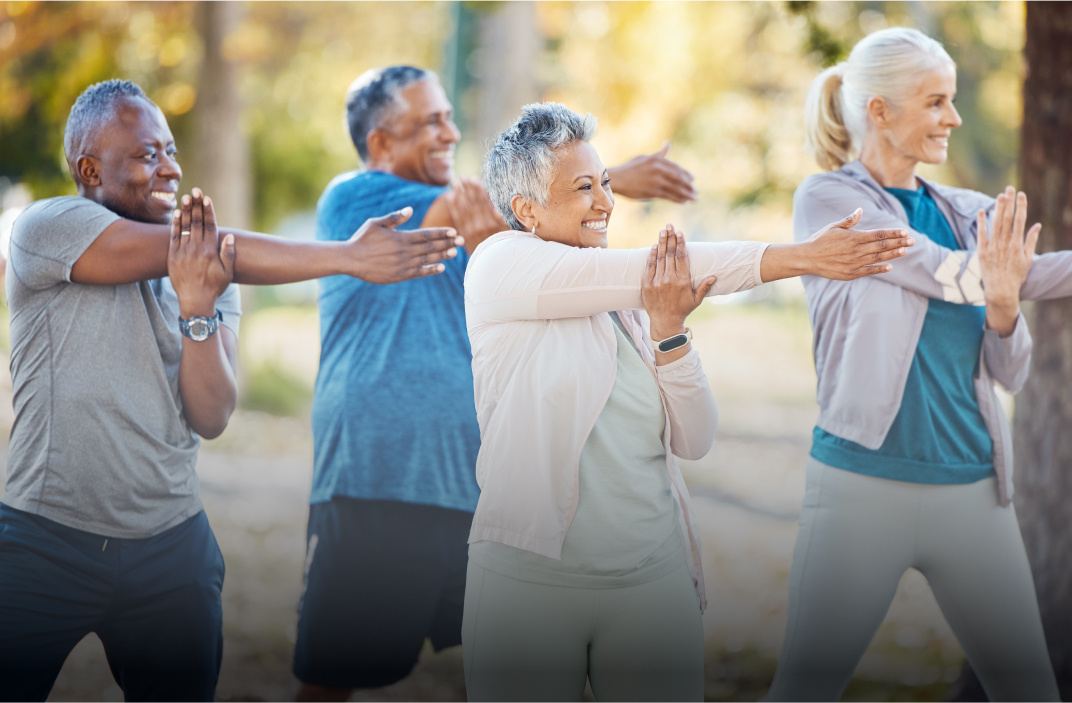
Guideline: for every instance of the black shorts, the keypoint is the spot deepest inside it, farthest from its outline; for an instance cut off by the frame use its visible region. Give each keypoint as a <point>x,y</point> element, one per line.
<point>380,577</point>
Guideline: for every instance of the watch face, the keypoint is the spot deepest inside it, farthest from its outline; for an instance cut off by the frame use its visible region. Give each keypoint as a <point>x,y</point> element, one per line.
<point>199,329</point>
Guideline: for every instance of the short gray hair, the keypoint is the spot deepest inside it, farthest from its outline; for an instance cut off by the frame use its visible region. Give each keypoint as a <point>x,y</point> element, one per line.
<point>523,158</point>
<point>93,109</point>
<point>373,95</point>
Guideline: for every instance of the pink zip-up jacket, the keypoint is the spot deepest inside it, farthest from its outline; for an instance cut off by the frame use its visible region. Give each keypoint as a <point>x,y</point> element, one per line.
<point>544,364</point>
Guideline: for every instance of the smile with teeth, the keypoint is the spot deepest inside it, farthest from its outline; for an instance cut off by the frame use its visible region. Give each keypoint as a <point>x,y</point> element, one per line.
<point>165,196</point>
<point>445,155</point>
<point>597,225</point>
<point>944,141</point>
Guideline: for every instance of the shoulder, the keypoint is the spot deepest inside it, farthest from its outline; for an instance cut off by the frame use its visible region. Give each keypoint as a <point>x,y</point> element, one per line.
<point>60,213</point>
<point>507,243</point>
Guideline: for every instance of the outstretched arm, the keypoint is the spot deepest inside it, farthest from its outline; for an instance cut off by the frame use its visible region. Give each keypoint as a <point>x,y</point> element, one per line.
<point>652,176</point>
<point>523,277</point>
<point>129,251</point>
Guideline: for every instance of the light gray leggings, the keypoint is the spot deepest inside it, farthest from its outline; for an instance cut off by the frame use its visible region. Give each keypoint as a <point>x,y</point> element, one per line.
<point>534,642</point>
<point>858,535</point>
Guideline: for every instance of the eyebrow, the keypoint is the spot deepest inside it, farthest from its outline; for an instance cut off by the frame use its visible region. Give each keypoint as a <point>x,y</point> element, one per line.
<point>590,176</point>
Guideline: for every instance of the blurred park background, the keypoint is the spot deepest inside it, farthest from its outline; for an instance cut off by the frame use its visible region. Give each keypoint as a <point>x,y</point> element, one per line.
<point>254,94</point>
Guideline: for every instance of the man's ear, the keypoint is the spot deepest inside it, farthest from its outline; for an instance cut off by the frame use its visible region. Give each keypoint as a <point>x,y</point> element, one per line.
<point>523,211</point>
<point>880,111</point>
<point>86,171</point>
<point>378,142</point>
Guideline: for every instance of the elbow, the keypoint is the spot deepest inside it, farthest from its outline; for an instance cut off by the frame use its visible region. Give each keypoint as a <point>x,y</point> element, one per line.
<point>211,428</point>
<point>696,444</point>
<point>210,423</point>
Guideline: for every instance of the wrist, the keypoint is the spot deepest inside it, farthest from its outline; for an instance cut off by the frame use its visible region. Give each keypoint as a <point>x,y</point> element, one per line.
<point>787,260</point>
<point>198,308</point>
<point>659,332</point>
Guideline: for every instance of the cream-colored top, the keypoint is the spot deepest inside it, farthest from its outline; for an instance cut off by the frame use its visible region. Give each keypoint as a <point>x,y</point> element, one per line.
<point>544,363</point>
<point>625,531</point>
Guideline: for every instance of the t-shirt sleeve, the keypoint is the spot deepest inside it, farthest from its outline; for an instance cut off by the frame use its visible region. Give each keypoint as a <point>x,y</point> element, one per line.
<point>50,236</point>
<point>230,304</point>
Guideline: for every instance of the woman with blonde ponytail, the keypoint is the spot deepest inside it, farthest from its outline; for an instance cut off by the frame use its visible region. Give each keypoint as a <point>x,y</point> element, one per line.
<point>911,460</point>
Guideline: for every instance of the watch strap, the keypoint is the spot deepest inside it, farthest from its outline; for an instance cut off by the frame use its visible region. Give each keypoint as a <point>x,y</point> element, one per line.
<point>675,342</point>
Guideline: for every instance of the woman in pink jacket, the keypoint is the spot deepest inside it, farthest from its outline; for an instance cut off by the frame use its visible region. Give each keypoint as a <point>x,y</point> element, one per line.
<point>584,557</point>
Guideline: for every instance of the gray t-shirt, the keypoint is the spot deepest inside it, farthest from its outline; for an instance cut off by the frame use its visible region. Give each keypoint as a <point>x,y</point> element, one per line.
<point>99,442</point>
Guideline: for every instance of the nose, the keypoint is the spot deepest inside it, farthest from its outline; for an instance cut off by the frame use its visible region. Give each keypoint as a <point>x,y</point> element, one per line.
<point>604,201</point>
<point>451,134</point>
<point>169,167</point>
<point>953,117</point>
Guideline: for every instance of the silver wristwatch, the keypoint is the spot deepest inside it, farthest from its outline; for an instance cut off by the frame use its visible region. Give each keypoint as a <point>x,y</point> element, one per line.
<point>200,328</point>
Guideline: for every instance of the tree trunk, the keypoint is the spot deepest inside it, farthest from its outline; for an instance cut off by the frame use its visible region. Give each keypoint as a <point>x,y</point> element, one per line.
<point>1042,436</point>
<point>221,160</point>
<point>1043,439</point>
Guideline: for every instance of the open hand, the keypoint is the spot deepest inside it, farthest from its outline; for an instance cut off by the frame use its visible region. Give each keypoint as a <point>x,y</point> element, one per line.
<point>841,253</point>
<point>378,253</point>
<point>667,285</point>
<point>1005,256</point>
<point>199,266</point>
<point>652,176</point>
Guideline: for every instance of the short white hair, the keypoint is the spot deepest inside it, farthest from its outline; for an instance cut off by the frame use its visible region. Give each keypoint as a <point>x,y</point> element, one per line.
<point>522,161</point>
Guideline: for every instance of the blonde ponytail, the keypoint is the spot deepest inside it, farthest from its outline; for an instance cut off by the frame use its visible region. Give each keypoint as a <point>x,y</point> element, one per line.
<point>887,64</point>
<point>825,133</point>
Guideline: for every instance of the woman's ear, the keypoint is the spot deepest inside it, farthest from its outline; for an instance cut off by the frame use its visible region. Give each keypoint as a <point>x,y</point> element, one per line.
<point>523,211</point>
<point>880,112</point>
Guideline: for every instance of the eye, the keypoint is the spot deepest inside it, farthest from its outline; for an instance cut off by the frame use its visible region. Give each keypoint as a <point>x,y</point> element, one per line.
<point>586,186</point>
<point>149,155</point>
<point>606,182</point>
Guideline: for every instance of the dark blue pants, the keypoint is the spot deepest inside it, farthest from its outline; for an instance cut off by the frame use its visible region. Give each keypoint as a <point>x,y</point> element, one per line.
<point>154,603</point>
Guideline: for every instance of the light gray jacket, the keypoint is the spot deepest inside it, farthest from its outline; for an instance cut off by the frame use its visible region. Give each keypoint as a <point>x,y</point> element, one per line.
<point>866,331</point>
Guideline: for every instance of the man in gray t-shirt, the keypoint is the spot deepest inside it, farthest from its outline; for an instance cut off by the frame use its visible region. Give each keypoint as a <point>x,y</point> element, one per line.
<point>124,333</point>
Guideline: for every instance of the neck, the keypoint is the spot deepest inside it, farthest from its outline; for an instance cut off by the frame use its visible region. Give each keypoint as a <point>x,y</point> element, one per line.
<point>889,168</point>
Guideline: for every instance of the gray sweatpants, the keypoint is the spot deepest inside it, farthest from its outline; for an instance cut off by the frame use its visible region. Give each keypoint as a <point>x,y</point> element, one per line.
<point>524,641</point>
<point>858,535</point>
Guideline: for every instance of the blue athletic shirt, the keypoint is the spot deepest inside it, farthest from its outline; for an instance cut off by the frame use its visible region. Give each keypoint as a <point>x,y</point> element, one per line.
<point>393,411</point>
<point>938,435</point>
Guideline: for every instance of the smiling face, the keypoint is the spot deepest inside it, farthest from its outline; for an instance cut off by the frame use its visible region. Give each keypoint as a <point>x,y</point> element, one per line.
<point>918,127</point>
<point>420,141</point>
<point>580,200</point>
<point>133,171</point>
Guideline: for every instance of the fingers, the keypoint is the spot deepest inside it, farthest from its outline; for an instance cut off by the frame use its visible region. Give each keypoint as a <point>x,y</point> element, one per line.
<point>673,244</point>
<point>851,220</point>
<point>197,223</point>
<point>1007,203</point>
<point>227,254</point>
<point>1019,220</point>
<point>428,270</point>
<point>982,239</point>
<point>664,151</point>
<point>394,219</point>
<point>704,289</point>
<point>660,256</point>
<point>431,245</point>
<point>187,214</point>
<point>209,218</point>
<point>176,231</point>
<point>872,270</point>
<point>1032,239</point>
<point>883,240</point>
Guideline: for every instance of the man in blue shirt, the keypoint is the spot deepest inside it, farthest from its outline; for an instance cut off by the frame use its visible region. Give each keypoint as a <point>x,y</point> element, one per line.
<point>394,421</point>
